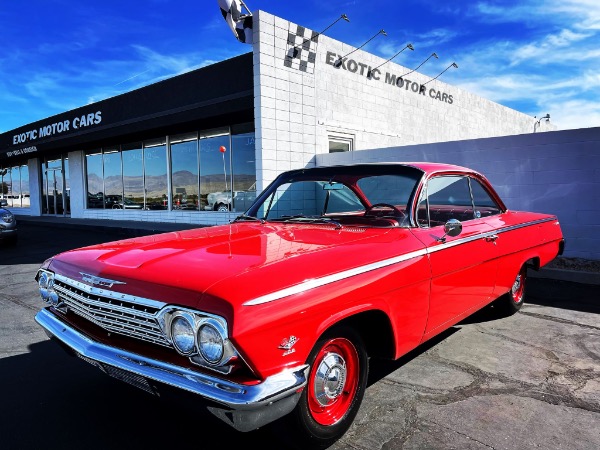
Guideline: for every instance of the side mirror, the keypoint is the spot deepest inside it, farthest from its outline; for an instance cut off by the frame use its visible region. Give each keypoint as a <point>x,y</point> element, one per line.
<point>452,228</point>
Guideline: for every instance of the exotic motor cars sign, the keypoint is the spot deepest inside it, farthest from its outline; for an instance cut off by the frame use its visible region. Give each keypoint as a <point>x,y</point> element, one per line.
<point>81,121</point>
<point>343,63</point>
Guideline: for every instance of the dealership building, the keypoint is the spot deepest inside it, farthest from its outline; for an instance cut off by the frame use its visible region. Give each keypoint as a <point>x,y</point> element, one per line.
<point>195,148</point>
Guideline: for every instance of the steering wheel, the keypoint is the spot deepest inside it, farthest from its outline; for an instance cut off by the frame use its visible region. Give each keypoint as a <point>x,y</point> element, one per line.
<point>383,205</point>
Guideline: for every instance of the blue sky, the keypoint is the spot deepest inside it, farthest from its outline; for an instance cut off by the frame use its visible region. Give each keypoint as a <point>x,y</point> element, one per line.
<point>536,56</point>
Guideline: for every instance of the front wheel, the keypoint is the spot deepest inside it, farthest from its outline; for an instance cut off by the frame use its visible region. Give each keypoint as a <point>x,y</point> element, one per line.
<point>222,207</point>
<point>339,367</point>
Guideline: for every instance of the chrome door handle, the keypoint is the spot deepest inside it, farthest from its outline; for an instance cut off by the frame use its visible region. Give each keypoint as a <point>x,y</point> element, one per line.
<point>491,238</point>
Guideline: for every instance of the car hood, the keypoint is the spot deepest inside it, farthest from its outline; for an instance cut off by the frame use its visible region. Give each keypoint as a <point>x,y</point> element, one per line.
<point>236,262</point>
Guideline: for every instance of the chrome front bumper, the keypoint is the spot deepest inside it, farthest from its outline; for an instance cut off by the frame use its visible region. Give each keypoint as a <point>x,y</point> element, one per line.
<point>243,407</point>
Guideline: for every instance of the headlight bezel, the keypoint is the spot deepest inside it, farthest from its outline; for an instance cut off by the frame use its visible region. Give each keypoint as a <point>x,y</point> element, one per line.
<point>216,327</point>
<point>228,353</point>
<point>188,319</point>
<point>7,217</point>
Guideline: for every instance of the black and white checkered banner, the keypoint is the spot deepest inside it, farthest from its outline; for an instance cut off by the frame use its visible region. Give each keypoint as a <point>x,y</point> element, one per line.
<point>302,49</point>
<point>240,24</point>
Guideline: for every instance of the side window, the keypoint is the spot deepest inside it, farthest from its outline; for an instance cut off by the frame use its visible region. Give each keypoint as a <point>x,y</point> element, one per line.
<point>422,211</point>
<point>485,205</point>
<point>449,198</point>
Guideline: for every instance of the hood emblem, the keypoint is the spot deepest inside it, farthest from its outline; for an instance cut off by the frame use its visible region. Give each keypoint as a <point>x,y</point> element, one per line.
<point>287,345</point>
<point>98,281</point>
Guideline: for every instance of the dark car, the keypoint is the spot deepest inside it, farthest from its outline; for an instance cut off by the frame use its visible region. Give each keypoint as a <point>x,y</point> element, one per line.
<point>8,227</point>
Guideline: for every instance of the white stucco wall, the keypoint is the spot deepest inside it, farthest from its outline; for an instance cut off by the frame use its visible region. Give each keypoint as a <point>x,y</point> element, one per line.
<point>297,108</point>
<point>556,172</point>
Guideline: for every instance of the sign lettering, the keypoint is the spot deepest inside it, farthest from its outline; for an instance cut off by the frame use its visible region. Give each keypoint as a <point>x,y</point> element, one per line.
<point>339,62</point>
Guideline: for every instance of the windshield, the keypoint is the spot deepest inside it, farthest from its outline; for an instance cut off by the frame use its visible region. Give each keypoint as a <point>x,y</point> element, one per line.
<point>359,195</point>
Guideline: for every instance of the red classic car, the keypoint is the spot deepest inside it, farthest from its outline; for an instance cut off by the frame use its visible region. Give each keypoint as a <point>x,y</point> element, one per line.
<point>275,315</point>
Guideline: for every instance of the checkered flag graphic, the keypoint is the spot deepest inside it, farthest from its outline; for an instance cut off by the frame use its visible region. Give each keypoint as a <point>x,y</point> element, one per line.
<point>302,49</point>
<point>240,24</point>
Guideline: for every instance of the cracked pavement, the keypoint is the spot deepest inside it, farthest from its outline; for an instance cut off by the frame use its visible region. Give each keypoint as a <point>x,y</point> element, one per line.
<point>531,380</point>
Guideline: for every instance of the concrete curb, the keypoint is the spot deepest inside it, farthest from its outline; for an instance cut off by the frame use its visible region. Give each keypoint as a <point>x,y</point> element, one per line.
<point>574,276</point>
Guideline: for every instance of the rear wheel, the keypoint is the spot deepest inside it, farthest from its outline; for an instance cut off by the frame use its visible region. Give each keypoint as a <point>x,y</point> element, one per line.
<point>334,392</point>
<point>222,207</point>
<point>513,300</point>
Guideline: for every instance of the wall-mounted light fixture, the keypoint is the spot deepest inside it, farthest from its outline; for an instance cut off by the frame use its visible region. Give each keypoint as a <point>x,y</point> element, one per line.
<point>451,65</point>
<point>537,124</point>
<point>296,47</point>
<point>434,55</point>
<point>338,63</point>
<point>408,46</point>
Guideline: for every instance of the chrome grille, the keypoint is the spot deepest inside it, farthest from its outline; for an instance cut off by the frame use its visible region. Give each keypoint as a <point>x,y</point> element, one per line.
<point>118,315</point>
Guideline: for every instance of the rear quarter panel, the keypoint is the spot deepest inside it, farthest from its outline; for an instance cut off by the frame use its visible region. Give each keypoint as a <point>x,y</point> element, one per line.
<point>523,236</point>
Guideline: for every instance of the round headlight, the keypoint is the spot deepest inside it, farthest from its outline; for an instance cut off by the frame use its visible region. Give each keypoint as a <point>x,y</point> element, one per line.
<point>43,283</point>
<point>182,334</point>
<point>210,343</point>
<point>53,297</point>
<point>7,217</point>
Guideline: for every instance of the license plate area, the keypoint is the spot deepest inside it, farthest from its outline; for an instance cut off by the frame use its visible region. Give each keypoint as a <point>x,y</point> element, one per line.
<point>123,375</point>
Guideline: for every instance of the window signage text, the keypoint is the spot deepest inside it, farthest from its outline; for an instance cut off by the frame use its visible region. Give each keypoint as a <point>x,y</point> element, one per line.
<point>22,151</point>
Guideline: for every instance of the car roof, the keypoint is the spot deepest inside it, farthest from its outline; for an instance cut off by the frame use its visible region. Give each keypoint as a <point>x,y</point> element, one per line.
<point>427,167</point>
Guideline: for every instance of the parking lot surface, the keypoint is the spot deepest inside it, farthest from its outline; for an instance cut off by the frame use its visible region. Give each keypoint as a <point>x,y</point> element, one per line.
<point>531,380</point>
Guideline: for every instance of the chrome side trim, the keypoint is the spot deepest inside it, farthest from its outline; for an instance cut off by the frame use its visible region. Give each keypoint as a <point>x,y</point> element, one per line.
<point>106,293</point>
<point>235,396</point>
<point>318,282</point>
<point>523,225</point>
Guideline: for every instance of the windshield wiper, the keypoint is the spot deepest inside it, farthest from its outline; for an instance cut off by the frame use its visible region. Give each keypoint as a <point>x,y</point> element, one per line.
<point>303,218</point>
<point>245,217</point>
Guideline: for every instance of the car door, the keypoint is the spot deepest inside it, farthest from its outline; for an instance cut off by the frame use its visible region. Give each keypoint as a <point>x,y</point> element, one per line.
<point>463,268</point>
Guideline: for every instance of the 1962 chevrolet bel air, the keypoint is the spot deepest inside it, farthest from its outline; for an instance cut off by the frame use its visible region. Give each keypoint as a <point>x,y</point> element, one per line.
<point>275,315</point>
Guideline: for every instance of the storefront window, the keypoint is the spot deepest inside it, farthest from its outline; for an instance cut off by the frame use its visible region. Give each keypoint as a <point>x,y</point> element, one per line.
<point>67,188</point>
<point>215,170</point>
<point>155,174</point>
<point>199,172</point>
<point>14,186</point>
<point>133,175</point>
<point>95,179</point>
<point>244,171</point>
<point>14,196</point>
<point>113,178</point>
<point>184,171</point>
<point>25,193</point>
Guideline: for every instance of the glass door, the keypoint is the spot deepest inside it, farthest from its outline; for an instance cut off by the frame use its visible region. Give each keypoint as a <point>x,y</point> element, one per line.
<point>55,190</point>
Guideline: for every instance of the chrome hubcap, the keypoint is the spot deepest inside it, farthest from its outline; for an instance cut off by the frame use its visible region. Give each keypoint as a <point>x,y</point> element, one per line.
<point>516,285</point>
<point>330,379</point>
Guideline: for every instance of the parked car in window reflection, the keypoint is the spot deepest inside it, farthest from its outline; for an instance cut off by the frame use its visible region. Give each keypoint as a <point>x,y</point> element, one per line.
<point>222,201</point>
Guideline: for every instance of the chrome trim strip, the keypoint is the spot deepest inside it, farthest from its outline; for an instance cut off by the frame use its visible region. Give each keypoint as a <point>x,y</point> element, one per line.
<point>523,225</point>
<point>233,395</point>
<point>106,293</point>
<point>318,282</point>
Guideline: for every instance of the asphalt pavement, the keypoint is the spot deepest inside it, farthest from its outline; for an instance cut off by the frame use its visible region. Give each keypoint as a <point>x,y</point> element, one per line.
<point>531,380</point>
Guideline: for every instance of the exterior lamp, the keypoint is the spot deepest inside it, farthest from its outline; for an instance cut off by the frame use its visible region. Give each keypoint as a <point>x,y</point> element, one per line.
<point>408,46</point>
<point>451,65</point>
<point>338,63</point>
<point>416,68</point>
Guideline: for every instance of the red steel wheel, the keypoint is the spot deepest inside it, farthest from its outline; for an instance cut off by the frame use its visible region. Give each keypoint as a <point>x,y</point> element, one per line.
<point>336,384</point>
<point>333,381</point>
<point>513,300</point>
<point>517,292</point>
